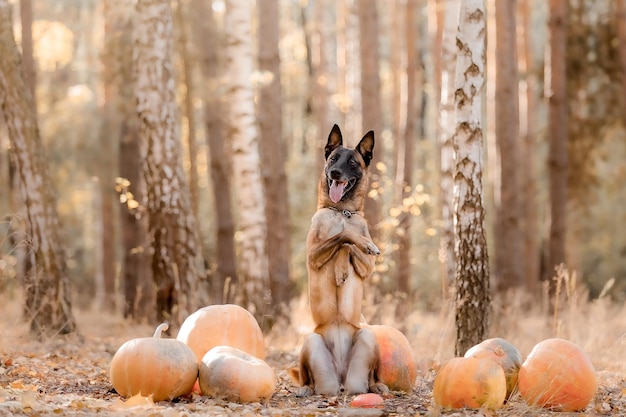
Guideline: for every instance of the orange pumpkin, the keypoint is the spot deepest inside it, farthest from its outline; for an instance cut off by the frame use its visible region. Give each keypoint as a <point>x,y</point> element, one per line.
<point>153,367</point>
<point>504,354</point>
<point>397,368</point>
<point>234,375</point>
<point>470,382</point>
<point>557,374</point>
<point>222,325</point>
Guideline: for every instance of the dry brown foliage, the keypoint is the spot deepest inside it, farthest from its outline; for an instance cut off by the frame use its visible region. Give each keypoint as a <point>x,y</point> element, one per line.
<point>69,375</point>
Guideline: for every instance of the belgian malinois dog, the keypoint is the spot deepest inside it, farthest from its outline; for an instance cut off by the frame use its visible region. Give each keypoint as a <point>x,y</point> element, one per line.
<point>340,356</point>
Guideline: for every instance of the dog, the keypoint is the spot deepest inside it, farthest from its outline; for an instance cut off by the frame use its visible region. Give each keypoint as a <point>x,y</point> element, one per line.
<point>340,356</point>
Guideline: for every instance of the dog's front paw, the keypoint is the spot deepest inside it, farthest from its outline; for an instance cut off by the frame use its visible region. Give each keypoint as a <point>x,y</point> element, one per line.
<point>370,248</point>
<point>304,391</point>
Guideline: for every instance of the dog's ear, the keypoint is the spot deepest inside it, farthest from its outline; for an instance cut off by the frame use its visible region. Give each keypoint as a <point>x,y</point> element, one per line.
<point>335,140</point>
<point>366,147</point>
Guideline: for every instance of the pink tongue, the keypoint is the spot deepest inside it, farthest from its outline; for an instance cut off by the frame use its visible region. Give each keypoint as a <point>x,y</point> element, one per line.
<point>336,190</point>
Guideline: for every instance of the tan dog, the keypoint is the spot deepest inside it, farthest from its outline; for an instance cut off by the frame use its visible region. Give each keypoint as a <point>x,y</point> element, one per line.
<point>340,356</point>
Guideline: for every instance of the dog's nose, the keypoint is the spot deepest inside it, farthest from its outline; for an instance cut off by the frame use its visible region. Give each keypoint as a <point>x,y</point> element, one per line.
<point>335,174</point>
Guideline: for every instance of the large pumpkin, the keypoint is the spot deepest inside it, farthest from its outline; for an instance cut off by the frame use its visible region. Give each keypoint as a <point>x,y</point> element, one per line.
<point>153,367</point>
<point>397,368</point>
<point>504,354</point>
<point>470,382</point>
<point>234,375</point>
<point>222,325</point>
<point>557,374</point>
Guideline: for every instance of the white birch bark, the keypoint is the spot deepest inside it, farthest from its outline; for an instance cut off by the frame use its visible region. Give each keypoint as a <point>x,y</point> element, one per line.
<point>244,137</point>
<point>472,261</point>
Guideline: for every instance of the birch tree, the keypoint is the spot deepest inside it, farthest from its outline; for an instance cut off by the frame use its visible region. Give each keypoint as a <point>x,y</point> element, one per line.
<point>472,261</point>
<point>244,137</point>
<point>176,254</point>
<point>46,285</point>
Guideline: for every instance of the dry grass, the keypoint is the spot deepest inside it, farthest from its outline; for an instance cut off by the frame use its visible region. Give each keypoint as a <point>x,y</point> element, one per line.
<point>68,375</point>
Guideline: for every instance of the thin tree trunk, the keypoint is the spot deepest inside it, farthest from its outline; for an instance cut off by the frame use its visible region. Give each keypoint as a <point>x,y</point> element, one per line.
<point>273,158</point>
<point>446,143</point>
<point>472,260</point>
<point>528,121</point>
<point>176,256</point>
<point>508,246</point>
<point>621,49</point>
<point>47,304</point>
<point>371,118</point>
<point>224,280</point>
<point>244,137</point>
<point>187,80</point>
<point>406,159</point>
<point>136,276</point>
<point>557,153</point>
<point>28,60</point>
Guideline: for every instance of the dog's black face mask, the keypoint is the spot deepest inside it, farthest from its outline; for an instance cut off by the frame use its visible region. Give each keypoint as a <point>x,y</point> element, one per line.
<point>345,167</point>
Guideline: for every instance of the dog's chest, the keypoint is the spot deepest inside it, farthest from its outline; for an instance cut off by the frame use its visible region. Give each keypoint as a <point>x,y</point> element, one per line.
<point>330,222</point>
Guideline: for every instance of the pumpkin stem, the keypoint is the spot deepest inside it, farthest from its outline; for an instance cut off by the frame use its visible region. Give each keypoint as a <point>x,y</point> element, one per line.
<point>160,329</point>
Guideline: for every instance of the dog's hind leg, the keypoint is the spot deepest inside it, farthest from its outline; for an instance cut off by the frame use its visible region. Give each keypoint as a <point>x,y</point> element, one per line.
<point>317,369</point>
<point>363,364</point>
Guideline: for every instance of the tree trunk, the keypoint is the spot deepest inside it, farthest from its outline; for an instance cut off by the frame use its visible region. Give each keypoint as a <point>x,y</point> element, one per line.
<point>557,153</point>
<point>244,137</point>
<point>371,112</point>
<point>46,285</point>
<point>529,104</point>
<point>446,143</point>
<point>472,260</point>
<point>621,49</point>
<point>508,248</point>
<point>135,276</point>
<point>176,256</point>
<point>28,60</point>
<point>405,160</point>
<point>273,158</point>
<point>224,280</point>
<point>187,80</point>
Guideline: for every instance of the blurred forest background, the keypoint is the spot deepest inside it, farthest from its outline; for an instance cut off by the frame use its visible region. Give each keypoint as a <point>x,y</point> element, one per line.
<point>382,65</point>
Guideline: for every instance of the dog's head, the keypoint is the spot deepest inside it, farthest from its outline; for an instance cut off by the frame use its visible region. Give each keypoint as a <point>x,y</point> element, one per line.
<point>345,174</point>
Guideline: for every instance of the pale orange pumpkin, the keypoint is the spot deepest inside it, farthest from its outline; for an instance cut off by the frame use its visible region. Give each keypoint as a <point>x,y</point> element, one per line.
<point>397,368</point>
<point>504,354</point>
<point>154,367</point>
<point>222,325</point>
<point>470,382</point>
<point>557,374</point>
<point>234,375</point>
<point>368,400</point>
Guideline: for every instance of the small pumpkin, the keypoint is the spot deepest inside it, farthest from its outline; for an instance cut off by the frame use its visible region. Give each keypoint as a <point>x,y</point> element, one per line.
<point>222,325</point>
<point>368,400</point>
<point>154,367</point>
<point>397,368</point>
<point>470,382</point>
<point>234,375</point>
<point>557,374</point>
<point>504,354</point>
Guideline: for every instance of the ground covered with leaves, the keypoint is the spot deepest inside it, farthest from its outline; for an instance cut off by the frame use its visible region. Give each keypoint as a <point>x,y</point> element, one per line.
<point>68,375</point>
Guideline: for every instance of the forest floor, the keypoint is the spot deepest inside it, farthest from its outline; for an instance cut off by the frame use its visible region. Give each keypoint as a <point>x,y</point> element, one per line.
<point>69,375</point>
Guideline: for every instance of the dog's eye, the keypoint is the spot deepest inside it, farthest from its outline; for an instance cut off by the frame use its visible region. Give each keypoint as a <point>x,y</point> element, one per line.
<point>353,162</point>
